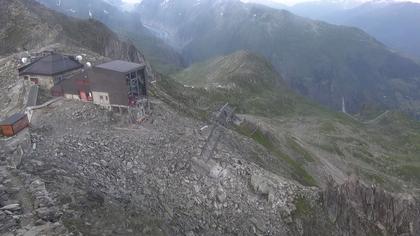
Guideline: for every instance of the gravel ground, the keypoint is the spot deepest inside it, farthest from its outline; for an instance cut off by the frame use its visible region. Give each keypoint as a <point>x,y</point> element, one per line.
<point>103,177</point>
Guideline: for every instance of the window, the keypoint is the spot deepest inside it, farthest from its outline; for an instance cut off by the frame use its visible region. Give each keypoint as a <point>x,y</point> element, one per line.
<point>101,98</point>
<point>58,79</point>
<point>106,98</point>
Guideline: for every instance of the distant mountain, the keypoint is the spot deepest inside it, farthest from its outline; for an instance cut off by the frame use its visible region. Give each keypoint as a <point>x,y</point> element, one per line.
<point>127,24</point>
<point>325,62</point>
<point>268,3</point>
<point>323,8</point>
<point>27,25</point>
<point>394,23</point>
<point>389,21</point>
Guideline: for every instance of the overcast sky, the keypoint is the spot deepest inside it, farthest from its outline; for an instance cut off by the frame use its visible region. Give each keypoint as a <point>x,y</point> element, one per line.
<point>287,2</point>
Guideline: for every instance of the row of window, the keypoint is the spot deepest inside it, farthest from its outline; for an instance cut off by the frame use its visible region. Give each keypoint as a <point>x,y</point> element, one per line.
<point>102,98</point>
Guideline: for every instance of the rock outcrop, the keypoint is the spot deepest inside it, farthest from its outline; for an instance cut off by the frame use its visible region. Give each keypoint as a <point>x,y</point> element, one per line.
<point>17,31</point>
<point>360,210</point>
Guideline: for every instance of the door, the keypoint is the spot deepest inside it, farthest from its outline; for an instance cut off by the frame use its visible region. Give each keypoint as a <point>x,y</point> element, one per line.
<point>83,96</point>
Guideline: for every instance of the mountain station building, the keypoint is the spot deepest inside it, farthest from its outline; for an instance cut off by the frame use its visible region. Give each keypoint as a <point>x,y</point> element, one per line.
<point>114,85</point>
<point>50,69</point>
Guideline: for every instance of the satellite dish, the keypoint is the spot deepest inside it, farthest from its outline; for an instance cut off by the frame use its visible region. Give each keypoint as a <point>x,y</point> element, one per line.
<point>24,60</point>
<point>88,64</point>
<point>79,58</point>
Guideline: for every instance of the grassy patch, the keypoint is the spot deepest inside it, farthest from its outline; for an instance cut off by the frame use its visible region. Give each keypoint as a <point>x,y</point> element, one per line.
<point>409,172</point>
<point>298,172</point>
<point>303,207</point>
<point>331,147</point>
<point>327,128</point>
<point>361,154</point>
<point>291,142</point>
<point>375,178</point>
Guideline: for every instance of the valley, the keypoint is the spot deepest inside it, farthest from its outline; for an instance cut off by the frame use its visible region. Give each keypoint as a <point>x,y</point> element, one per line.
<point>321,61</point>
<point>324,143</point>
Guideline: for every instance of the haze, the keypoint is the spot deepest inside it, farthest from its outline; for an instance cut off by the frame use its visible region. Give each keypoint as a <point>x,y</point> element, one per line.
<point>287,2</point>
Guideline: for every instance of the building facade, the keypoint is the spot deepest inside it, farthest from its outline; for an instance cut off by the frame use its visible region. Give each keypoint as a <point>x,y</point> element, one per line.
<point>50,69</point>
<point>116,84</point>
<point>14,124</point>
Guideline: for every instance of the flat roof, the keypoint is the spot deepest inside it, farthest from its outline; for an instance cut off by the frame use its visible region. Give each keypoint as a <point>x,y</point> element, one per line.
<point>12,119</point>
<point>120,66</point>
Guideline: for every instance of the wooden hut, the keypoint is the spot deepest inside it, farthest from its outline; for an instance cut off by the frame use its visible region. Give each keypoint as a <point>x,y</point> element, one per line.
<point>14,124</point>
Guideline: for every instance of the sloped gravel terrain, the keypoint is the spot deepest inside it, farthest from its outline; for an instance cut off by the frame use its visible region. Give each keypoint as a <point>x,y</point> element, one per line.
<point>102,176</point>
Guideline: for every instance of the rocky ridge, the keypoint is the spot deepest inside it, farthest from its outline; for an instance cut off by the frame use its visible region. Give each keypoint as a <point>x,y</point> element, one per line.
<point>18,18</point>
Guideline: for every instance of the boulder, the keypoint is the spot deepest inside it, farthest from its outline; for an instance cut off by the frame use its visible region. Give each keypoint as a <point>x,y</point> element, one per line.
<point>263,186</point>
<point>48,214</point>
<point>11,207</point>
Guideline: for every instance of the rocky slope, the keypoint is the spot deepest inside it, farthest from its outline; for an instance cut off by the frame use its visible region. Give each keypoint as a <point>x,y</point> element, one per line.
<point>68,175</point>
<point>78,162</point>
<point>27,25</point>
<point>321,61</point>
<point>142,179</point>
<point>126,24</point>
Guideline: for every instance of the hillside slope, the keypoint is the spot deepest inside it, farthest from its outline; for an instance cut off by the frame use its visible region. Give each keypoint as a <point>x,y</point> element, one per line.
<point>313,142</point>
<point>322,61</point>
<point>249,82</point>
<point>393,23</point>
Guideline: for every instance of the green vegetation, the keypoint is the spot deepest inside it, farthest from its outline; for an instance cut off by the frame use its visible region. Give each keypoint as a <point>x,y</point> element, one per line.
<point>303,207</point>
<point>298,171</point>
<point>291,142</point>
<point>327,128</point>
<point>390,141</point>
<point>247,82</point>
<point>331,147</point>
<point>375,178</point>
<point>409,172</point>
